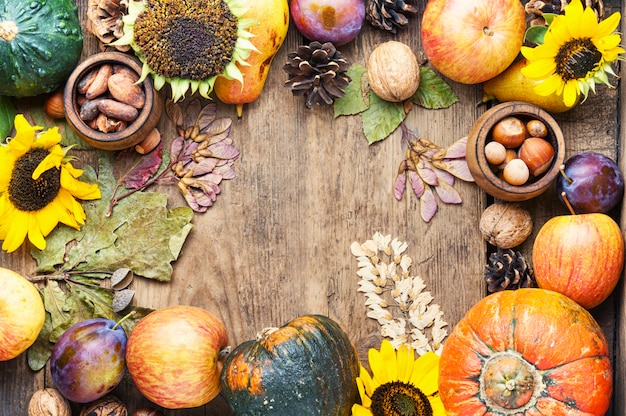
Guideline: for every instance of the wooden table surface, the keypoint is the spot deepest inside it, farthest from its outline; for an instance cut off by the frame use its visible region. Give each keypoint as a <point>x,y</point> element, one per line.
<point>276,244</point>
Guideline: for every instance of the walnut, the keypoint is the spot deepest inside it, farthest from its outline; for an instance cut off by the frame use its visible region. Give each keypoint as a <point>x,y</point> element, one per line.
<point>106,406</point>
<point>505,225</point>
<point>48,402</point>
<point>393,71</point>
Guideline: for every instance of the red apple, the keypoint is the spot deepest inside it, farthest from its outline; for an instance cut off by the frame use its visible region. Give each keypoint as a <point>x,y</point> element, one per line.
<point>472,41</point>
<point>172,355</point>
<point>580,256</point>
<point>21,314</point>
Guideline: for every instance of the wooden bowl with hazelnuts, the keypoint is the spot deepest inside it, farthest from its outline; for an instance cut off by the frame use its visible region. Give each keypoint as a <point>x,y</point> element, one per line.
<point>515,150</point>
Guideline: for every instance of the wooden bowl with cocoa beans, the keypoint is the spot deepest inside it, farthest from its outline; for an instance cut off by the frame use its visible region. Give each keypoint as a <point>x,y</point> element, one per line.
<point>106,106</point>
<point>515,150</point>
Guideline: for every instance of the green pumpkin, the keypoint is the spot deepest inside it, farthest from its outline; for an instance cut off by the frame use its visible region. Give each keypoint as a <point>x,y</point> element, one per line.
<point>307,367</point>
<point>40,44</point>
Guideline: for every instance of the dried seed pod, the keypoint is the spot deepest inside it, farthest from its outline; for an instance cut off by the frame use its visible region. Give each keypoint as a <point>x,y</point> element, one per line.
<point>106,406</point>
<point>505,225</point>
<point>48,402</point>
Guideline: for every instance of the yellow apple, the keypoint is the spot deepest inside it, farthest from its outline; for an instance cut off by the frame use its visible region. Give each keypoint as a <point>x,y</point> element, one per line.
<point>21,314</point>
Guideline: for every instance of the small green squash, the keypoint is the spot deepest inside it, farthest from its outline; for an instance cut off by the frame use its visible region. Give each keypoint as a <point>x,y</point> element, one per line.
<point>306,367</point>
<point>40,44</point>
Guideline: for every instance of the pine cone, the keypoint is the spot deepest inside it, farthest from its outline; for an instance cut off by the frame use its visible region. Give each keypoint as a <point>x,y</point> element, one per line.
<point>388,14</point>
<point>317,71</point>
<point>508,269</point>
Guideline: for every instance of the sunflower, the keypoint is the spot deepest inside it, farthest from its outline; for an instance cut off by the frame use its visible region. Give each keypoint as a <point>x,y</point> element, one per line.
<point>400,385</point>
<point>37,187</point>
<point>577,51</point>
<point>188,43</point>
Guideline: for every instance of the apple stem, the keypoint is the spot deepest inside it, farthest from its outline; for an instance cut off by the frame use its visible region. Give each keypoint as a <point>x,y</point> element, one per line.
<point>567,203</point>
<point>562,170</point>
<point>128,315</point>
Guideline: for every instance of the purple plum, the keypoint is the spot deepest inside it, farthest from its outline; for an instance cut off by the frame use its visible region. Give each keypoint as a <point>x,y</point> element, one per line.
<point>592,182</point>
<point>336,21</point>
<point>88,360</point>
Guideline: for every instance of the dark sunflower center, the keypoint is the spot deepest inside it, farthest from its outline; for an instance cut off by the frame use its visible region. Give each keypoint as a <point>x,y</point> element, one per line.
<point>577,58</point>
<point>191,39</point>
<point>28,194</point>
<point>400,399</point>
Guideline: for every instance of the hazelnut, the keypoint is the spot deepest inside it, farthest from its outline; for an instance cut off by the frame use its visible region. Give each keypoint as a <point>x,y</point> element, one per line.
<point>48,402</point>
<point>106,406</point>
<point>495,153</point>
<point>537,153</point>
<point>393,71</point>
<point>505,225</point>
<point>510,155</point>
<point>536,128</point>
<point>148,144</point>
<point>510,131</point>
<point>516,172</point>
<point>53,106</point>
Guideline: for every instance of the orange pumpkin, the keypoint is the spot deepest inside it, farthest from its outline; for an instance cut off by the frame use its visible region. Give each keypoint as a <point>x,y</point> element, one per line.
<point>526,352</point>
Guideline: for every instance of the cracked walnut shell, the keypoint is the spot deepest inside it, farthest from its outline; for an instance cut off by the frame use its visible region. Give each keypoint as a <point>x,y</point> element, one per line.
<point>393,71</point>
<point>505,225</point>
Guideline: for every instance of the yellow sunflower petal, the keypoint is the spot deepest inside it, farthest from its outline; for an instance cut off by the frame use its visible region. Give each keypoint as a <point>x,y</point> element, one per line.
<point>607,26</point>
<point>358,410</point>
<point>539,69</point>
<point>570,93</point>
<point>406,358</point>
<point>24,136</point>
<point>368,382</point>
<point>51,161</point>
<point>79,189</point>
<point>574,17</point>
<point>17,231</point>
<point>437,405</point>
<point>379,373</point>
<point>388,355</point>
<point>34,232</point>
<point>365,399</point>
<point>553,84</point>
<point>49,138</point>
<point>426,373</point>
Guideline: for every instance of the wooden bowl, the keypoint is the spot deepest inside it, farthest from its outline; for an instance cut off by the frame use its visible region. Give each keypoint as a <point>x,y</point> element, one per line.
<point>484,174</point>
<point>136,130</point>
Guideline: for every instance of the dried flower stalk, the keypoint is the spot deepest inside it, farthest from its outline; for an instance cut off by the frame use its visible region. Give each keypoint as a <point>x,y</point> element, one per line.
<point>395,298</point>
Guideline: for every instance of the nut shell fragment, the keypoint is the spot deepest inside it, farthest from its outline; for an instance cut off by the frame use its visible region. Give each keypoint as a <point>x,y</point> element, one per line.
<point>505,225</point>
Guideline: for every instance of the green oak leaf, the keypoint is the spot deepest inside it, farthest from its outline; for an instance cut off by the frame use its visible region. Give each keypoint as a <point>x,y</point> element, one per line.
<point>41,350</point>
<point>354,101</point>
<point>141,233</point>
<point>381,118</point>
<point>7,117</point>
<point>433,92</point>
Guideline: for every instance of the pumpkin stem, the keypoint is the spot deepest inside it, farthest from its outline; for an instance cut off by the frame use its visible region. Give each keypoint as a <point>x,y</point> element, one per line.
<point>8,30</point>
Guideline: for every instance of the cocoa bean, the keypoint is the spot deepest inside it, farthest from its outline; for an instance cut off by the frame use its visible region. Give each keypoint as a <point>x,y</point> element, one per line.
<point>123,69</point>
<point>124,90</point>
<point>100,84</point>
<point>89,109</point>
<point>117,110</point>
<point>86,81</point>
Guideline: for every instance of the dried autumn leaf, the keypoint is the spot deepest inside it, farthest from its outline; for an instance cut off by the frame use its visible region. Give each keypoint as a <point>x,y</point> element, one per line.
<point>135,170</point>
